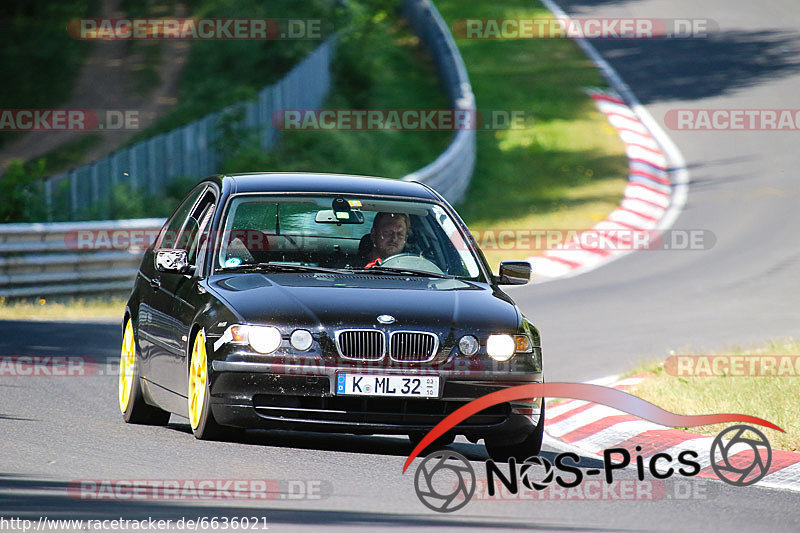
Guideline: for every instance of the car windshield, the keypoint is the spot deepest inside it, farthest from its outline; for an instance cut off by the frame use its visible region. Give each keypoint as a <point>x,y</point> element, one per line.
<point>342,233</point>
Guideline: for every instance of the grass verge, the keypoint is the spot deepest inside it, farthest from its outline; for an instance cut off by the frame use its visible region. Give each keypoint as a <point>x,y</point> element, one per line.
<point>768,397</point>
<point>38,57</point>
<point>63,309</point>
<point>379,64</point>
<point>223,72</point>
<point>567,168</point>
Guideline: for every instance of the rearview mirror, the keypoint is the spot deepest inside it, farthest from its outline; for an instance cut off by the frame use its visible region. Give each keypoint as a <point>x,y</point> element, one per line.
<point>172,260</point>
<point>329,216</point>
<point>514,273</point>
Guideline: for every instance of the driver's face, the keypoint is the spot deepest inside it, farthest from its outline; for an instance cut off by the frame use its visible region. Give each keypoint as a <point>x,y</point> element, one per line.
<point>390,237</point>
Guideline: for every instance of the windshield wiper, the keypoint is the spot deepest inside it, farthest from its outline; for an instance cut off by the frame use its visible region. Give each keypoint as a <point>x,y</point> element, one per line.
<point>280,267</point>
<point>399,272</point>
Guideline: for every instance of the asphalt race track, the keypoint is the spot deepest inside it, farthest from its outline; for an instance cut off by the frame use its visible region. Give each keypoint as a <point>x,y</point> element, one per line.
<point>744,188</point>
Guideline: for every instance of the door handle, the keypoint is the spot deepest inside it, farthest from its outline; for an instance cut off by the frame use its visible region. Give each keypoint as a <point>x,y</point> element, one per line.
<point>155,282</point>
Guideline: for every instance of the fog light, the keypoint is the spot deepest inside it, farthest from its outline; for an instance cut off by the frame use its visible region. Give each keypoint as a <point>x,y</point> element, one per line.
<point>468,345</point>
<point>526,407</point>
<point>301,339</point>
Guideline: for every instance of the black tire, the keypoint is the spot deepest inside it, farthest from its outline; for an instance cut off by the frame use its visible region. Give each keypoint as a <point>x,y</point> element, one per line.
<point>445,440</point>
<point>137,410</point>
<point>207,427</point>
<point>529,447</point>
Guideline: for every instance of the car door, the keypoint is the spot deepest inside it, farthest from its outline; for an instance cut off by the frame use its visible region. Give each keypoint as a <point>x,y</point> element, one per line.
<point>160,329</point>
<point>189,295</point>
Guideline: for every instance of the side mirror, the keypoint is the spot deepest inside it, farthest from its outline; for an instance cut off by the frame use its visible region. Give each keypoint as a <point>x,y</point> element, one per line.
<point>514,273</point>
<point>171,260</point>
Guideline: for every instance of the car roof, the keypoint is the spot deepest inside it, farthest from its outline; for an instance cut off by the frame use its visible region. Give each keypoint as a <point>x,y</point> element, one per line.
<point>326,183</point>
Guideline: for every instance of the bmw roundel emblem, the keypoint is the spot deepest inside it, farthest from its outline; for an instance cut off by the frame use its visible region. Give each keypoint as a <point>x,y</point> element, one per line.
<point>386,319</point>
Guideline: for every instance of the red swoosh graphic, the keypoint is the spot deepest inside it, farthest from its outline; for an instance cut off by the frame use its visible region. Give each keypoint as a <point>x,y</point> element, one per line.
<point>614,398</point>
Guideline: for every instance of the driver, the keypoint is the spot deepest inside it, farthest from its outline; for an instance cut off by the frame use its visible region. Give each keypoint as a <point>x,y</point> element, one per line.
<point>388,235</point>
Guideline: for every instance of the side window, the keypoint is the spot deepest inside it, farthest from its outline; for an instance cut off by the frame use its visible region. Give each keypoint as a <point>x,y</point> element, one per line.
<point>197,228</point>
<point>190,236</point>
<point>205,237</point>
<point>169,233</point>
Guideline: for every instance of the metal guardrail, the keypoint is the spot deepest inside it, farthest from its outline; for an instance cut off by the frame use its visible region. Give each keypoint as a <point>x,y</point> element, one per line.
<point>450,173</point>
<point>190,150</point>
<point>49,259</point>
<point>72,257</point>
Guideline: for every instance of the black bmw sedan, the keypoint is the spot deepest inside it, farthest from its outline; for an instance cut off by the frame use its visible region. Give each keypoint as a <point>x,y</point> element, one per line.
<point>325,302</point>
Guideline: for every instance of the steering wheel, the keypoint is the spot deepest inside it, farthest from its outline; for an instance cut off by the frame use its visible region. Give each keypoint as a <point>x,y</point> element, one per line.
<point>411,261</point>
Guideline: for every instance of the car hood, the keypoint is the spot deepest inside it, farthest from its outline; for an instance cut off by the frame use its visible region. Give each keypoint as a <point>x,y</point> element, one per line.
<point>341,301</point>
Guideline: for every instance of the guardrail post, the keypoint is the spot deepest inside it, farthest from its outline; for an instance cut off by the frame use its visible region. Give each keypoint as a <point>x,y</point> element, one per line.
<point>73,193</point>
<point>151,165</point>
<point>48,198</point>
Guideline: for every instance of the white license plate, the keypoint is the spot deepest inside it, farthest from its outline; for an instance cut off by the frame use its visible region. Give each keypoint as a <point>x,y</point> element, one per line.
<point>387,385</point>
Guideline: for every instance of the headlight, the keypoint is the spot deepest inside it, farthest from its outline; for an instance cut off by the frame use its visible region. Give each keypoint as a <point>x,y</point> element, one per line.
<point>501,347</point>
<point>468,345</point>
<point>301,339</point>
<point>264,339</point>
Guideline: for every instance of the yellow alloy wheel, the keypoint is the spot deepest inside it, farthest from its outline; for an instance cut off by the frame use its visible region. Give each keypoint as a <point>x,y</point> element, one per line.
<point>198,374</point>
<point>126,361</point>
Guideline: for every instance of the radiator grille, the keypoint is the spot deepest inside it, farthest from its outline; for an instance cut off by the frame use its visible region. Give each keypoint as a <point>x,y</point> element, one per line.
<point>366,345</point>
<point>394,413</point>
<point>414,346</point>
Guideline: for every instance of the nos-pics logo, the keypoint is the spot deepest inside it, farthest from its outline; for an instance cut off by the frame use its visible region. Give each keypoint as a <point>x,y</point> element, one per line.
<point>445,481</point>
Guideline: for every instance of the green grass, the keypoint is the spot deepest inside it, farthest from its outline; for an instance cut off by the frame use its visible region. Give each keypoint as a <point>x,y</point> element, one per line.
<point>379,65</point>
<point>223,72</point>
<point>146,54</point>
<point>22,187</point>
<point>63,309</point>
<point>564,170</point>
<point>38,58</point>
<point>567,169</point>
<point>67,155</point>
<point>218,73</point>
<point>770,398</point>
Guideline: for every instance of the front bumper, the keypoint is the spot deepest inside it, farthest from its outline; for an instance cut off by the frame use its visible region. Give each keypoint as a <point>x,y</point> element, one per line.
<point>264,395</point>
